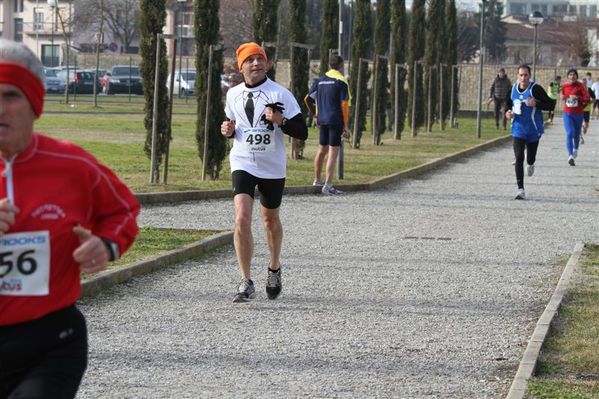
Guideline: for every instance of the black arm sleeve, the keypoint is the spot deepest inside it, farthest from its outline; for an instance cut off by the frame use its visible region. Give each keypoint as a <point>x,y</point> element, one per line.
<point>296,127</point>
<point>543,101</point>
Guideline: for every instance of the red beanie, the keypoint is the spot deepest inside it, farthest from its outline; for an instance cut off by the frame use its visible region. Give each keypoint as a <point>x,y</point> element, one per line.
<point>25,80</point>
<point>246,50</point>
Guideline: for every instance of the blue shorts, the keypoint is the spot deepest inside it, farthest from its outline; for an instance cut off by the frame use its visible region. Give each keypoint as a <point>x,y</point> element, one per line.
<point>331,135</point>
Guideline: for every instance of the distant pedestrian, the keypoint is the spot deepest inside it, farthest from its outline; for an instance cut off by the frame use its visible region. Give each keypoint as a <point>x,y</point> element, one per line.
<point>575,95</point>
<point>554,92</point>
<point>595,88</point>
<point>499,95</point>
<point>525,106</point>
<point>260,112</point>
<point>329,99</point>
<point>586,118</point>
<point>589,79</point>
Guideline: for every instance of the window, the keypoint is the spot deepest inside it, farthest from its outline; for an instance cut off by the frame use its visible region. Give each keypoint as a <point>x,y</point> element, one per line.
<point>582,10</point>
<point>560,9</point>
<point>50,55</point>
<point>186,24</point>
<point>18,29</point>
<point>18,5</point>
<point>539,7</point>
<point>518,9</point>
<point>38,22</point>
<point>593,11</point>
<point>572,9</point>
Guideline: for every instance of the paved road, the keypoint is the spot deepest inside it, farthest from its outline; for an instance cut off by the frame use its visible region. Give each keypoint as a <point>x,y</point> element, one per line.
<point>427,289</point>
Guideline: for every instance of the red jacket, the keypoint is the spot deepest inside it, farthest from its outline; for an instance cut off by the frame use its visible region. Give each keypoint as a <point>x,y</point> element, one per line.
<point>579,90</point>
<point>57,186</point>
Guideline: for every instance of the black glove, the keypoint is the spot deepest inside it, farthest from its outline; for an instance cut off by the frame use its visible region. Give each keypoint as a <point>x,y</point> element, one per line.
<point>276,107</point>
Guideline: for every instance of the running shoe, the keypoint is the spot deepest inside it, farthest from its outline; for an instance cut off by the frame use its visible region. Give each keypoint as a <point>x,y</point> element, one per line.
<point>571,161</point>
<point>245,291</point>
<point>318,182</point>
<point>520,195</point>
<point>330,190</point>
<point>530,169</point>
<point>274,284</point>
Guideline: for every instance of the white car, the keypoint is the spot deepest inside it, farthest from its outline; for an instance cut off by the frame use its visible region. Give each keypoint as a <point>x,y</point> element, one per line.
<point>185,82</point>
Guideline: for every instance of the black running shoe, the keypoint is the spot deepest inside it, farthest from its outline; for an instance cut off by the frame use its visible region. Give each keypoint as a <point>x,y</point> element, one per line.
<point>245,291</point>
<point>274,284</point>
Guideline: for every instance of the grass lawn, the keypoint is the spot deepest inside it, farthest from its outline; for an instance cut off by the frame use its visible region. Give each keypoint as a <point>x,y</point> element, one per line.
<point>569,364</point>
<point>153,241</point>
<point>117,140</point>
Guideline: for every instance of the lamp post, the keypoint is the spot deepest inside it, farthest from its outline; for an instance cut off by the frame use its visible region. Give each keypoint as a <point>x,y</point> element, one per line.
<point>340,41</point>
<point>179,16</point>
<point>53,4</point>
<point>480,69</point>
<point>536,19</point>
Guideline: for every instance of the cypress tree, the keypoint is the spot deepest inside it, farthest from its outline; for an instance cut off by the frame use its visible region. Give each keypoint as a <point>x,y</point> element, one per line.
<point>398,50</point>
<point>381,85</point>
<point>300,66</point>
<point>415,53</point>
<point>362,29</point>
<point>152,19</point>
<point>264,24</point>
<point>206,33</point>
<point>330,32</point>
<point>432,57</point>
<point>450,53</point>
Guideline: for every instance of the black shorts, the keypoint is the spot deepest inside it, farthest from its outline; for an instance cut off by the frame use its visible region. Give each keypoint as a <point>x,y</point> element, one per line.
<point>331,135</point>
<point>44,358</point>
<point>586,116</point>
<point>595,104</point>
<point>271,190</point>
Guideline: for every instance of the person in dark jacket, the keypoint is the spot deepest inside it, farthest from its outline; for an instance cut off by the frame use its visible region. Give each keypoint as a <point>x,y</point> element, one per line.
<point>499,95</point>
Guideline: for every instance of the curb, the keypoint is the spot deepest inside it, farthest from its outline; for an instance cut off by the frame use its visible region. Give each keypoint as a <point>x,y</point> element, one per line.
<point>531,354</point>
<point>109,278</point>
<point>195,195</point>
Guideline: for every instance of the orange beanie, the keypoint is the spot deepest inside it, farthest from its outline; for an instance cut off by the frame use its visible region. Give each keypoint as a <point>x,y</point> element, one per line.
<point>246,50</point>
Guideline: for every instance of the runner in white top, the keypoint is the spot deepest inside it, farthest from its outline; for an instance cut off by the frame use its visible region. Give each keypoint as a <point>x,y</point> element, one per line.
<point>256,149</point>
<point>260,111</point>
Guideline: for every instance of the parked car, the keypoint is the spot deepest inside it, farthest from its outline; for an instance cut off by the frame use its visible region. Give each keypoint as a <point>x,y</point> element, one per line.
<point>123,79</point>
<point>81,81</point>
<point>53,83</point>
<point>185,82</point>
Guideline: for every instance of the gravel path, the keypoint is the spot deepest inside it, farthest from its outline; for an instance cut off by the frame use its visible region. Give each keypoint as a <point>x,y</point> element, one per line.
<point>427,289</point>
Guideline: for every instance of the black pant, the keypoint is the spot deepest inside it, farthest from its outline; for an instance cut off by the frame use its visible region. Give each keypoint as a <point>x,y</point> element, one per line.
<point>500,108</point>
<point>531,156</point>
<point>44,358</point>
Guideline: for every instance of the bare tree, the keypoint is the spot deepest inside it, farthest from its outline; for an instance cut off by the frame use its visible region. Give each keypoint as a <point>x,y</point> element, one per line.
<point>121,18</point>
<point>235,23</point>
<point>574,42</point>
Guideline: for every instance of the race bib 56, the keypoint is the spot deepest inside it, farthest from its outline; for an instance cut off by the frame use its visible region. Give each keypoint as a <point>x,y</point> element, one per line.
<point>25,263</point>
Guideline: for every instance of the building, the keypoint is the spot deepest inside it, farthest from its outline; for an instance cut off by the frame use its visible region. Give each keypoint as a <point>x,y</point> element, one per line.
<point>553,8</point>
<point>39,25</point>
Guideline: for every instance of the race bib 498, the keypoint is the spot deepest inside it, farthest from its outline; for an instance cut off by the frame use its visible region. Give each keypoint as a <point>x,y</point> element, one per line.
<point>258,140</point>
<point>25,263</point>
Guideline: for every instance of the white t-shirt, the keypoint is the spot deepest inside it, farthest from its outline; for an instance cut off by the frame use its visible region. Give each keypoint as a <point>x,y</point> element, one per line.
<point>257,150</point>
<point>595,88</point>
